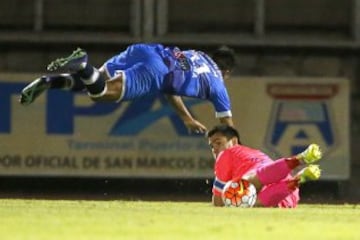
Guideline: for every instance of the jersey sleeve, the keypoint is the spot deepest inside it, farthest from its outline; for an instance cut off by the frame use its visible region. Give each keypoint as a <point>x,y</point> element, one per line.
<point>222,171</point>
<point>221,100</point>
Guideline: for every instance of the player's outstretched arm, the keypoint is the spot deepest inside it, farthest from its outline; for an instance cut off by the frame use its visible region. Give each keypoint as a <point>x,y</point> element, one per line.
<point>180,108</point>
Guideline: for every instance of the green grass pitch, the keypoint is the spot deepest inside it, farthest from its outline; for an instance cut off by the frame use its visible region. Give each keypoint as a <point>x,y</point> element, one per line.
<point>74,219</point>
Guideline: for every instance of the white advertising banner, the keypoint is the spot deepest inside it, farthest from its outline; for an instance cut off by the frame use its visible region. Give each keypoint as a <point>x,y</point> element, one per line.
<point>66,134</point>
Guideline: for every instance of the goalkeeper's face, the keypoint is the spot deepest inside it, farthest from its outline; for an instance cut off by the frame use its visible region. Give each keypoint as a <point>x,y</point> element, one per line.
<point>218,143</point>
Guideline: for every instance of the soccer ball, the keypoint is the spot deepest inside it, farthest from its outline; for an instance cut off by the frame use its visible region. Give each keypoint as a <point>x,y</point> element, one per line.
<point>239,193</point>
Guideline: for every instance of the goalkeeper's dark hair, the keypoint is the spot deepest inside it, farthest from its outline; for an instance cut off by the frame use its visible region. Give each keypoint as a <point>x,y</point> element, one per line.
<point>224,57</point>
<point>226,130</point>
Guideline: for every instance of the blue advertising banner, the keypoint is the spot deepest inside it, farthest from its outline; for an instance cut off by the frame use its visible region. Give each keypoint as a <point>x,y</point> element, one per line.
<point>66,134</point>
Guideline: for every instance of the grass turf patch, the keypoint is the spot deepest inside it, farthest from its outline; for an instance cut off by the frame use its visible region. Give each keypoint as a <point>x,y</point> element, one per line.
<point>65,219</point>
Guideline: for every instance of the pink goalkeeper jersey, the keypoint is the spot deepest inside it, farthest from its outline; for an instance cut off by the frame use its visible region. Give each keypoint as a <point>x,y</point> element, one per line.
<point>234,162</point>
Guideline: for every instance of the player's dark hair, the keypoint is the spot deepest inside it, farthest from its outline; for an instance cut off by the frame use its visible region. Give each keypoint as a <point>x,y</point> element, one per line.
<point>224,58</point>
<point>226,130</point>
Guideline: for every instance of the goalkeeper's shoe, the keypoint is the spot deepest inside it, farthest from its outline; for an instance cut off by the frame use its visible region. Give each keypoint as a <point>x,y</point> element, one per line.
<point>311,154</point>
<point>72,63</point>
<point>33,90</point>
<point>310,173</point>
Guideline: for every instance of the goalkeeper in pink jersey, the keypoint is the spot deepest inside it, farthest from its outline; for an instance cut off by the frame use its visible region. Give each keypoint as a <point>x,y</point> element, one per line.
<point>277,182</point>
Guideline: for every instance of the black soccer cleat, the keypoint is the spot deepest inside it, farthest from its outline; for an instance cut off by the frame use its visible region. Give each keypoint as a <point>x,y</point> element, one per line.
<point>33,90</point>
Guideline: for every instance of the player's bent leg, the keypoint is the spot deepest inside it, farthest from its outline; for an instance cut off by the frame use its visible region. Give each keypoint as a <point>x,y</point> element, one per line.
<point>275,194</point>
<point>276,171</point>
<point>65,81</point>
<point>113,91</point>
<point>290,201</point>
<point>34,90</point>
<point>311,155</point>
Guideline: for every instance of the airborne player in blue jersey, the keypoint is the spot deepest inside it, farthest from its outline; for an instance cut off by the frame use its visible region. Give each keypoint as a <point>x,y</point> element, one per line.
<point>144,69</point>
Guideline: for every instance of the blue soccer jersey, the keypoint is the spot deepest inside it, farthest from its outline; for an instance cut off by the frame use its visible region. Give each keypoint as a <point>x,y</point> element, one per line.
<point>152,68</point>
